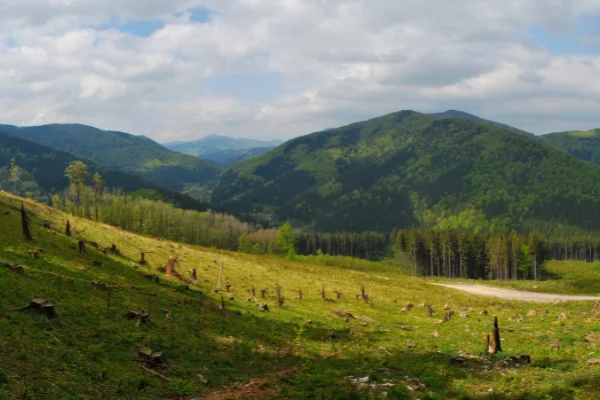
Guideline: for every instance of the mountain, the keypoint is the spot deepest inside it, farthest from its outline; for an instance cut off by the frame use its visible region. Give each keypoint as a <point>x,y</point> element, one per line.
<point>42,172</point>
<point>137,155</point>
<point>584,145</point>
<point>224,150</point>
<point>462,114</point>
<point>408,169</point>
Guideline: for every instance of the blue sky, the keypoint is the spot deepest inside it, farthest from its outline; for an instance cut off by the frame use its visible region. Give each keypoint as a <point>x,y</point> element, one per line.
<point>571,42</point>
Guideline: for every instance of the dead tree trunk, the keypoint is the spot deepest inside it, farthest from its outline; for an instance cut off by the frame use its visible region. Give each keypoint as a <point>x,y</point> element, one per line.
<point>25,223</point>
<point>493,339</point>
<point>279,296</point>
<point>68,228</point>
<point>82,249</point>
<point>364,296</point>
<point>194,274</point>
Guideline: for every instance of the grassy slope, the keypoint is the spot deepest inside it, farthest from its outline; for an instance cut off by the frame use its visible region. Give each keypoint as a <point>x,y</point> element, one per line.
<point>89,352</point>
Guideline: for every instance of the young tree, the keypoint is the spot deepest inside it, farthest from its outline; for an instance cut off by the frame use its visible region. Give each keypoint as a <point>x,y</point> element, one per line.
<point>77,172</point>
<point>98,188</point>
<point>14,171</point>
<point>286,241</point>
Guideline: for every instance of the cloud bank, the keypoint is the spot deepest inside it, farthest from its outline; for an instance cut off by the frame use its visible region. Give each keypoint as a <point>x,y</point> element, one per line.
<point>281,68</point>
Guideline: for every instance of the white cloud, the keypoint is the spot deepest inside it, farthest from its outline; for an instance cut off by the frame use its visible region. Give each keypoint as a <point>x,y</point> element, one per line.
<point>340,60</point>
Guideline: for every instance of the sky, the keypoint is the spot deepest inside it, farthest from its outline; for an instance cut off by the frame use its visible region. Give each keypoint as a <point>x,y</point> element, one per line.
<point>184,69</point>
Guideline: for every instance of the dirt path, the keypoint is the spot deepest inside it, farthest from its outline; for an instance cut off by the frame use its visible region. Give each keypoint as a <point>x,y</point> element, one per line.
<point>510,294</point>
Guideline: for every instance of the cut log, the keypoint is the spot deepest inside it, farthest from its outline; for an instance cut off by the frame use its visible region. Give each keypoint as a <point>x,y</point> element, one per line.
<point>494,345</point>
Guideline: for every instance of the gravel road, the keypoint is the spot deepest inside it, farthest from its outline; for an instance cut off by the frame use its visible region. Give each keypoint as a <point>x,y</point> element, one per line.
<point>510,294</point>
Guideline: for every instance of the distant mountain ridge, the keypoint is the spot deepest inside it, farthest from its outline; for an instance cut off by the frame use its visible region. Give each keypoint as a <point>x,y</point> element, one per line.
<point>408,169</point>
<point>224,150</point>
<point>137,155</point>
<point>584,145</point>
<point>44,169</point>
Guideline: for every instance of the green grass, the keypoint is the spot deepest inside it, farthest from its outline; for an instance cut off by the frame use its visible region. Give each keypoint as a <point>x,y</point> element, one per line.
<point>590,133</point>
<point>89,351</point>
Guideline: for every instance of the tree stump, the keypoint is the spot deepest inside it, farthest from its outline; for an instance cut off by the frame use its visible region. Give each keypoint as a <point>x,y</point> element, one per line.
<point>194,274</point>
<point>228,286</point>
<point>429,311</point>
<point>152,359</point>
<point>142,259</point>
<point>140,316</point>
<point>280,298</point>
<point>253,292</point>
<point>82,249</point>
<point>47,224</point>
<point>96,263</point>
<point>34,254</point>
<point>299,294</point>
<point>338,294</point>
<point>263,307</point>
<point>68,228</point>
<point>263,293</point>
<point>114,249</point>
<point>41,305</point>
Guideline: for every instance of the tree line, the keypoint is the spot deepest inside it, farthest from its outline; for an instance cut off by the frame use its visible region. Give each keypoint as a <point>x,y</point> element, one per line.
<point>427,252</point>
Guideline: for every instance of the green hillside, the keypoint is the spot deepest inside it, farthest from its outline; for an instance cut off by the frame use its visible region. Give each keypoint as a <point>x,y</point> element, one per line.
<point>580,144</point>
<point>134,154</point>
<point>42,173</point>
<point>224,150</point>
<point>304,349</point>
<point>408,169</point>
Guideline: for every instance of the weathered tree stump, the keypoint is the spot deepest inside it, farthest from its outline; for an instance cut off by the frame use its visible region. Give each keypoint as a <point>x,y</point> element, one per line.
<point>41,305</point>
<point>263,307</point>
<point>152,359</point>
<point>228,286</point>
<point>142,259</point>
<point>152,277</point>
<point>98,285</point>
<point>34,253</point>
<point>194,274</point>
<point>280,298</point>
<point>140,316</point>
<point>263,293</point>
<point>253,292</point>
<point>494,345</point>
<point>429,311</point>
<point>458,361</point>
<point>82,249</point>
<point>114,249</point>
<point>68,228</point>
<point>96,263</point>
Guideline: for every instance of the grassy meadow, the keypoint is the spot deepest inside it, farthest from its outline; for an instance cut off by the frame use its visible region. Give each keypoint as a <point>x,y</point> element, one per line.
<point>305,349</point>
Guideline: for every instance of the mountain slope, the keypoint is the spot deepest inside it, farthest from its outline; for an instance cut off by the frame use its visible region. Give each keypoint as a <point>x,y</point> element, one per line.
<point>462,114</point>
<point>224,150</point>
<point>135,154</point>
<point>407,169</point>
<point>45,167</point>
<point>304,349</point>
<point>584,145</point>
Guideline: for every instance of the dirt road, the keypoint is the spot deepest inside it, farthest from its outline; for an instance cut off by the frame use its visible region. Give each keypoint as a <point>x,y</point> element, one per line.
<point>510,294</point>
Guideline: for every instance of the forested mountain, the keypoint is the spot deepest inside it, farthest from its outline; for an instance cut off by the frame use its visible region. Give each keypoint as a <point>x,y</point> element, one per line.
<point>224,150</point>
<point>42,172</point>
<point>409,169</point>
<point>138,155</point>
<point>462,114</point>
<point>581,144</point>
